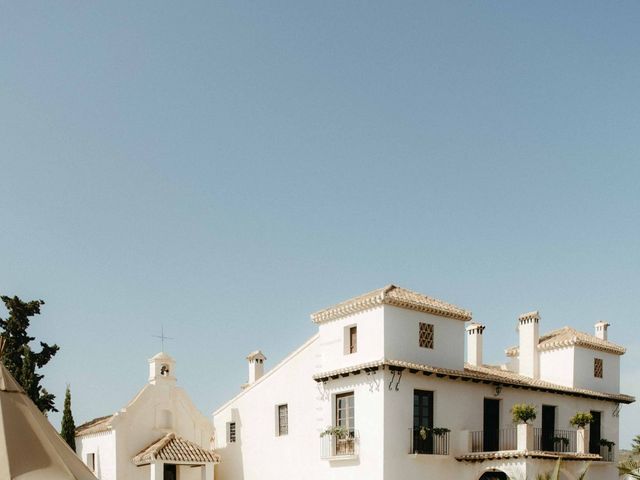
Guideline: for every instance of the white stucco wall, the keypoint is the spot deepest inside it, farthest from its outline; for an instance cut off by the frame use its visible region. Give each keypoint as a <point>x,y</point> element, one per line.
<point>584,378</point>
<point>557,366</point>
<point>103,445</point>
<point>401,341</point>
<point>333,337</point>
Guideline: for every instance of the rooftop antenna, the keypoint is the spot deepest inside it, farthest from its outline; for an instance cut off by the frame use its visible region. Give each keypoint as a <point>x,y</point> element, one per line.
<point>162,336</point>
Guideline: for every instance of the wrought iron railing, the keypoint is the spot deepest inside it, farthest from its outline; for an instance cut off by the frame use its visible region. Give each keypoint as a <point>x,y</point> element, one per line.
<point>335,446</point>
<point>560,441</point>
<point>429,441</point>
<point>606,453</point>
<point>494,440</point>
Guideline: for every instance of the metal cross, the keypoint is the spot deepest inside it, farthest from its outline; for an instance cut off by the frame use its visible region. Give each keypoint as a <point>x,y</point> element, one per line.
<point>162,336</point>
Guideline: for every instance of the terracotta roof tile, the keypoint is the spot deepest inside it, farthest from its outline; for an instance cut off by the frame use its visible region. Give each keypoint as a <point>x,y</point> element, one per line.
<point>172,448</point>
<point>100,424</point>
<point>396,296</point>
<point>567,337</point>
<point>484,373</point>
<point>482,456</point>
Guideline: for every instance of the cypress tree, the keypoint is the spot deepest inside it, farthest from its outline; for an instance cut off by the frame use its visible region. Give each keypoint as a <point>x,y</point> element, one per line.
<point>21,361</point>
<point>68,430</point>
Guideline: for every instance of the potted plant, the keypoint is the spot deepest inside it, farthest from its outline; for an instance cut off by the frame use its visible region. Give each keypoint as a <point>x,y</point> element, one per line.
<point>560,443</point>
<point>608,444</point>
<point>580,420</point>
<point>523,414</point>
<point>343,439</point>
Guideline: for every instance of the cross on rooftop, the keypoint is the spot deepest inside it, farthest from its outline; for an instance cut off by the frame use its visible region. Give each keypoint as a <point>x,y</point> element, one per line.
<point>162,336</point>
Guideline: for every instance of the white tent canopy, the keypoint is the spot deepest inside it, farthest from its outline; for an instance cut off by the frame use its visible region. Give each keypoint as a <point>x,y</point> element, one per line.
<point>30,448</point>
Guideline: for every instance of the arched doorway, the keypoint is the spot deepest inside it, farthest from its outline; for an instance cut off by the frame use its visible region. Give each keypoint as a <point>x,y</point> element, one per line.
<point>494,476</point>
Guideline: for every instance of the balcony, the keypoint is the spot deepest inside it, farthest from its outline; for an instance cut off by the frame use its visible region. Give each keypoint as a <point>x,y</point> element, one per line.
<point>494,440</point>
<point>340,446</point>
<point>429,441</point>
<point>559,441</point>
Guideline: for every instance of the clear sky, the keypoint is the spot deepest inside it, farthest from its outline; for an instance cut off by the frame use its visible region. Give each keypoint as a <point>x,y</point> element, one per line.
<point>226,169</point>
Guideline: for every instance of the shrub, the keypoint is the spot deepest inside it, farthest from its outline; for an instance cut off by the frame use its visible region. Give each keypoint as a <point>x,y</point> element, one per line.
<point>523,413</point>
<point>338,432</point>
<point>581,419</point>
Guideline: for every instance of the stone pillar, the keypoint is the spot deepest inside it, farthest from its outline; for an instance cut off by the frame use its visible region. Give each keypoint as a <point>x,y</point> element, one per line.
<point>525,437</point>
<point>157,471</point>
<point>582,441</point>
<point>206,471</point>
<point>462,442</point>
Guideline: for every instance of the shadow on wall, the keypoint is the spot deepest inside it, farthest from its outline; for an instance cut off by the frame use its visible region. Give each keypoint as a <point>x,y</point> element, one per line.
<point>231,466</point>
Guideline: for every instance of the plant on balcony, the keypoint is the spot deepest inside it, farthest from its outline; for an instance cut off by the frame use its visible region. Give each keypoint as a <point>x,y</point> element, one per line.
<point>607,443</point>
<point>523,413</point>
<point>564,441</point>
<point>437,431</point>
<point>337,431</point>
<point>581,419</point>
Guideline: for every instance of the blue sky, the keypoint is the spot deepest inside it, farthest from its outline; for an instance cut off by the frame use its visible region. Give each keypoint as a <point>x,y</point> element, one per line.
<point>225,169</point>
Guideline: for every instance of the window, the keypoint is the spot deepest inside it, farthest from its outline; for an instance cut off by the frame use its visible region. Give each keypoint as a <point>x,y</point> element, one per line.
<point>283,420</point>
<point>91,461</point>
<point>597,368</point>
<point>231,432</point>
<point>345,412</point>
<point>353,339</point>
<point>426,335</point>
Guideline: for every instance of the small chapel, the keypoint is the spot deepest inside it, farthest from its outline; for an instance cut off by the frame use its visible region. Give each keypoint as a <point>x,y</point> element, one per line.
<point>158,435</point>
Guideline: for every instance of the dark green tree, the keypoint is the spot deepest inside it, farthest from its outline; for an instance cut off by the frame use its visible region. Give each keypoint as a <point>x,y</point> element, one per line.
<point>19,358</point>
<point>68,430</point>
<point>635,445</point>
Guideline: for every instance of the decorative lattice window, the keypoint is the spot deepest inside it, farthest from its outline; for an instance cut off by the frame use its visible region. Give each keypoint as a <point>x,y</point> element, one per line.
<point>597,368</point>
<point>231,430</point>
<point>283,419</point>
<point>426,335</point>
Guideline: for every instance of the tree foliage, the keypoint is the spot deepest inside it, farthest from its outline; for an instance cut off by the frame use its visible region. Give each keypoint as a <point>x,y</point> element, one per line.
<point>68,430</point>
<point>635,445</point>
<point>19,358</point>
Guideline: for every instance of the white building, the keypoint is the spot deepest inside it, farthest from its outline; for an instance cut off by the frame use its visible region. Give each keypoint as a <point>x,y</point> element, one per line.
<point>385,377</point>
<point>159,435</point>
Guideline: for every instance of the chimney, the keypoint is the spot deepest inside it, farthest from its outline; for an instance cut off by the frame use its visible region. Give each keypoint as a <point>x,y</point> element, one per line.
<point>474,344</point>
<point>256,366</point>
<point>528,329</point>
<point>601,330</point>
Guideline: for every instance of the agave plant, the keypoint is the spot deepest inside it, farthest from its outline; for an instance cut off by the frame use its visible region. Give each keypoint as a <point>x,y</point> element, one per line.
<point>630,467</point>
<point>555,475</point>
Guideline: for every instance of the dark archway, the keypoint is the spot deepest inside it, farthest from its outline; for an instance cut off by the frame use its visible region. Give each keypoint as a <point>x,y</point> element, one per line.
<point>494,476</point>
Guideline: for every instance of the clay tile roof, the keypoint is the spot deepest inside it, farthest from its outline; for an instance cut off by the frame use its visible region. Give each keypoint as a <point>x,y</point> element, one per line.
<point>487,374</point>
<point>396,296</point>
<point>567,337</point>
<point>172,448</point>
<point>482,456</point>
<point>100,424</point>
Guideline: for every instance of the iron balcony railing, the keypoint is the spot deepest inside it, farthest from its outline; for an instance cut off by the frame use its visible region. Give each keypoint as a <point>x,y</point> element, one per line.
<point>429,441</point>
<point>494,440</point>
<point>606,453</point>
<point>336,446</point>
<point>560,441</point>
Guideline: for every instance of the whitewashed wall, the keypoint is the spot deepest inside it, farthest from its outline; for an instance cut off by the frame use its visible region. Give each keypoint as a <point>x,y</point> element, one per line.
<point>103,445</point>
<point>401,338</point>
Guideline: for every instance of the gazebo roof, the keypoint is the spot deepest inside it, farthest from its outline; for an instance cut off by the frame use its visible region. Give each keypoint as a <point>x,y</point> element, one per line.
<point>175,449</point>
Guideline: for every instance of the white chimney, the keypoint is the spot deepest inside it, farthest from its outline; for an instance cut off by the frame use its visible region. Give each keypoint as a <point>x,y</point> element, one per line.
<point>474,344</point>
<point>528,329</point>
<point>601,330</point>
<point>256,365</point>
